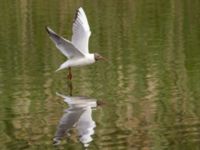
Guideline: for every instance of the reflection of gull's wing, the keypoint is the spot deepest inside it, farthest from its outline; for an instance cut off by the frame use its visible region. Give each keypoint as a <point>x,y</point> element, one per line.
<point>67,121</point>
<point>85,126</point>
<point>78,115</point>
<point>65,46</point>
<point>81,31</point>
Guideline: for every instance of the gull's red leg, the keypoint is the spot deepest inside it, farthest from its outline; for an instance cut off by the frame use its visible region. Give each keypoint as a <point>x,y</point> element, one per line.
<point>69,76</point>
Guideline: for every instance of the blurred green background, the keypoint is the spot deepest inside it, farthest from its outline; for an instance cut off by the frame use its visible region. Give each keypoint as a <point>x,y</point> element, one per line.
<point>150,86</point>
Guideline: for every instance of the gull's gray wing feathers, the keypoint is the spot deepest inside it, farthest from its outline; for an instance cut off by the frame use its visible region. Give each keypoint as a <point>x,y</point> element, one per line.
<point>65,46</point>
<point>81,31</point>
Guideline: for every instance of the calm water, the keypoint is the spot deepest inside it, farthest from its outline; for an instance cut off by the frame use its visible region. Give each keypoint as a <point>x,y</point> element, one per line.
<point>147,97</point>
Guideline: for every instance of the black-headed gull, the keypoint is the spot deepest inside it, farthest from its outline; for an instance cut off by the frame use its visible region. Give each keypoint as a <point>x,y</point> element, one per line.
<point>75,50</point>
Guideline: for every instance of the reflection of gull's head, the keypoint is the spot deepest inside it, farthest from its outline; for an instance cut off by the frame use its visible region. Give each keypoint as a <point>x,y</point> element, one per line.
<point>78,115</point>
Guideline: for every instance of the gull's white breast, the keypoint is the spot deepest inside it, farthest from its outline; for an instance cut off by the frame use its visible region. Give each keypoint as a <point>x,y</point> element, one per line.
<point>76,62</point>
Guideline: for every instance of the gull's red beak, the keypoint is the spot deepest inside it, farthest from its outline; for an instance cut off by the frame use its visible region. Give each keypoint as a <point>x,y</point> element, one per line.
<point>103,58</point>
<point>99,57</point>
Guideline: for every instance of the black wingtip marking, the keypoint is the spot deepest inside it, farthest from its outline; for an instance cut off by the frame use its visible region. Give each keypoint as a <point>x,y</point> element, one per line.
<point>47,29</point>
<point>76,15</point>
<point>52,34</point>
<point>78,8</point>
<point>50,31</point>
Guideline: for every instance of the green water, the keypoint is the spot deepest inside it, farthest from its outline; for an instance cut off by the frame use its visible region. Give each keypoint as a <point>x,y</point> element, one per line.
<point>150,87</point>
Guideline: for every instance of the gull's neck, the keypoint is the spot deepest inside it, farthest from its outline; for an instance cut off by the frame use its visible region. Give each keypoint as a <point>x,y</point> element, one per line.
<point>91,57</point>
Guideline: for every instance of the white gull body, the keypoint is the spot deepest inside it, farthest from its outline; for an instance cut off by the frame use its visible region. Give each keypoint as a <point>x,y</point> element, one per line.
<point>75,50</point>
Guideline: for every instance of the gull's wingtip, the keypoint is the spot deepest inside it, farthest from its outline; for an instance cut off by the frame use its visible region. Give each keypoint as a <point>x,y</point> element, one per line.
<point>79,8</point>
<point>47,29</point>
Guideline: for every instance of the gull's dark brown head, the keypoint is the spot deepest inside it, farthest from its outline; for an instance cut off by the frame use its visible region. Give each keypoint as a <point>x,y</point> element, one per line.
<point>97,57</point>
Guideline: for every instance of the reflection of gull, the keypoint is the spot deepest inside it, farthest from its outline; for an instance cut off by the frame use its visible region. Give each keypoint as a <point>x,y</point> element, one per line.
<point>75,50</point>
<point>79,116</point>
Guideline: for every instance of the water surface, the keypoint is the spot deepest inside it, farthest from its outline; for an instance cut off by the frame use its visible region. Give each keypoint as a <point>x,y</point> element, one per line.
<point>150,88</point>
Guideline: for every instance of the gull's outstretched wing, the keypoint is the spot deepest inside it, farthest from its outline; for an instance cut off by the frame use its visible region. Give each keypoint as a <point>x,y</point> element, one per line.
<point>65,46</point>
<point>81,31</point>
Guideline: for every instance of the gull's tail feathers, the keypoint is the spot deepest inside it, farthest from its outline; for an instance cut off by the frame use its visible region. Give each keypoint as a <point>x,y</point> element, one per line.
<point>58,69</point>
<point>62,66</point>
